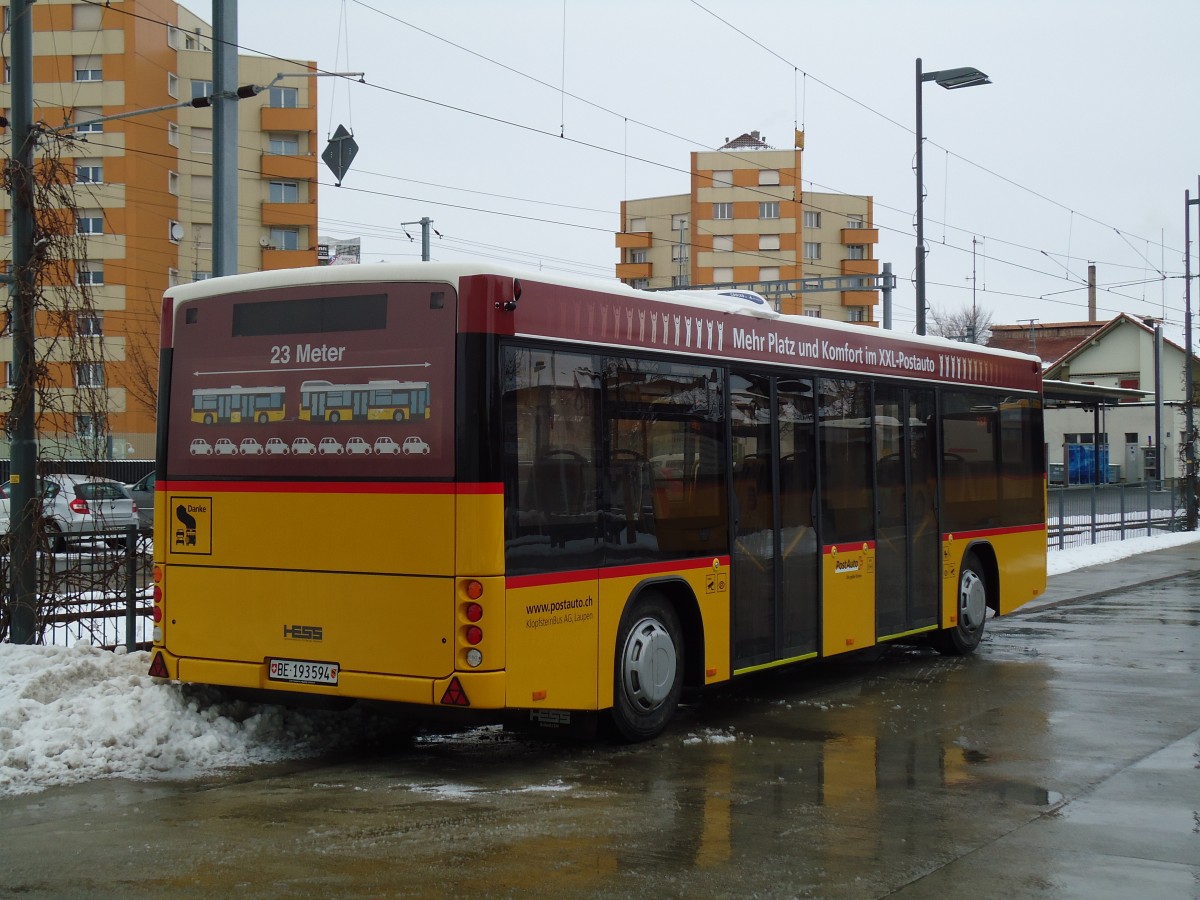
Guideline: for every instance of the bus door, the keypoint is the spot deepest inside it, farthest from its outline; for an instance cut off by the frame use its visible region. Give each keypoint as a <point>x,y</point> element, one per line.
<point>225,407</point>
<point>361,404</point>
<point>907,558</point>
<point>774,541</point>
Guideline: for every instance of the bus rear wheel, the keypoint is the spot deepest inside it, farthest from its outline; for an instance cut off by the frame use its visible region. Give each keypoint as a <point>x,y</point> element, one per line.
<point>649,668</point>
<point>967,632</point>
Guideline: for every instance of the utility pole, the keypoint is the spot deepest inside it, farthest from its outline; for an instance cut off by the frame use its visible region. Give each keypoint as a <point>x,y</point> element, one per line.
<point>1189,448</point>
<point>225,138</point>
<point>22,548</point>
<point>425,224</point>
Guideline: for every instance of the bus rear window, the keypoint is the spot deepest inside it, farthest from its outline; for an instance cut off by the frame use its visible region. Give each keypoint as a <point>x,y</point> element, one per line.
<point>315,315</point>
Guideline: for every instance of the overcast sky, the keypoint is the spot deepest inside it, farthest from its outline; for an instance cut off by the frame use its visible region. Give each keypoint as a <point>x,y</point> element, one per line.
<point>1079,151</point>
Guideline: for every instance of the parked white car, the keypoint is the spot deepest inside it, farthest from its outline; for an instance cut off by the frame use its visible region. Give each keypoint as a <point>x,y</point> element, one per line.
<point>385,445</point>
<point>414,445</point>
<point>200,447</point>
<point>277,447</point>
<point>77,507</point>
<point>330,447</point>
<point>356,446</point>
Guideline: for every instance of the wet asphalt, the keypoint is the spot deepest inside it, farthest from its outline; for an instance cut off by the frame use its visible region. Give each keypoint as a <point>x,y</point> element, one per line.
<point>1061,760</point>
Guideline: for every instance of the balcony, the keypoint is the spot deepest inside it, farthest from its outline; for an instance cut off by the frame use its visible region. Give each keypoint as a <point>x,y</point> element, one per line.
<point>860,267</point>
<point>303,118</point>
<point>626,271</point>
<point>860,298</point>
<point>860,235</point>
<point>288,259</point>
<point>634,240</point>
<point>289,214</point>
<point>286,166</point>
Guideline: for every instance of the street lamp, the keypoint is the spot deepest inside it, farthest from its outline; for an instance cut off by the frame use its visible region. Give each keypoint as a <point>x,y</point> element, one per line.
<point>949,79</point>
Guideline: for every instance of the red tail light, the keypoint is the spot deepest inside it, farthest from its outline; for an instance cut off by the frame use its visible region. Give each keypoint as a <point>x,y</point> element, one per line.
<point>79,506</point>
<point>135,508</point>
<point>474,612</point>
<point>474,634</point>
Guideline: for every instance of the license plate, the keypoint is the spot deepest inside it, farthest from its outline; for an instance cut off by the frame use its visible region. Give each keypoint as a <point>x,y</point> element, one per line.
<point>300,671</point>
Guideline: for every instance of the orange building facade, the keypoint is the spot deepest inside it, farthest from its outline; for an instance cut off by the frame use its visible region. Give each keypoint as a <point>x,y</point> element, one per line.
<point>143,188</point>
<point>747,220</point>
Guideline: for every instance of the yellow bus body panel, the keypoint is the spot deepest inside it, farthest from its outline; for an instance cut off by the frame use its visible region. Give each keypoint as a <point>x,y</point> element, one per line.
<point>480,548</point>
<point>1021,556</point>
<point>849,598</point>
<point>322,530</point>
<point>553,635</point>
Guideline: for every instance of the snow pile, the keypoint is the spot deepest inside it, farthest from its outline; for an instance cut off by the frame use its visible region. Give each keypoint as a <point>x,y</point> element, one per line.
<point>69,715</point>
<point>72,714</point>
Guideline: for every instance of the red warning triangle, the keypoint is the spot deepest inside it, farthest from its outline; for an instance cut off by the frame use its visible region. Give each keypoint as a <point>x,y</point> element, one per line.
<point>158,668</point>
<point>455,695</point>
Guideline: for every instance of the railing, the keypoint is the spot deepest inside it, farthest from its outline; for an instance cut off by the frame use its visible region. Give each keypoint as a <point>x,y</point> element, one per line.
<point>97,591</point>
<point>1090,514</point>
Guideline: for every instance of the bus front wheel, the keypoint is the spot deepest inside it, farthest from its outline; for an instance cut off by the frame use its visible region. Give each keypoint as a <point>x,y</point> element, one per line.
<point>967,632</point>
<point>649,668</point>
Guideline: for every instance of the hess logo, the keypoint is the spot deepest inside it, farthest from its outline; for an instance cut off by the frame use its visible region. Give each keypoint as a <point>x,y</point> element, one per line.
<point>302,632</point>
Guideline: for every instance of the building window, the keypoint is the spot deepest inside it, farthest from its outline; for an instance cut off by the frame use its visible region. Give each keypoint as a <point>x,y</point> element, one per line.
<point>172,277</point>
<point>283,192</point>
<point>89,171</point>
<point>202,187</point>
<point>90,272</point>
<point>201,89</point>
<point>679,252</point>
<point>173,85</point>
<point>638,255</point>
<point>201,276</point>
<point>91,326</point>
<point>638,224</point>
<point>812,219</point>
<point>640,283</point>
<point>283,98</point>
<point>812,250</point>
<point>90,221</point>
<point>282,144</point>
<point>83,120</point>
<point>174,40</point>
<point>285,238</point>
<point>768,209</point>
<point>813,312</point>
<point>856,314</point>
<point>722,178</point>
<point>173,182</point>
<point>174,231</point>
<point>679,222</point>
<point>679,281</point>
<point>91,427</point>
<point>202,139</point>
<point>88,68</point>
<point>723,274</point>
<point>172,134</point>
<point>84,17</point>
<point>768,273</point>
<point>856,222</point>
<point>722,210</point>
<point>768,176</point>
<point>856,251</point>
<point>89,375</point>
<point>768,242</point>
<point>723,243</point>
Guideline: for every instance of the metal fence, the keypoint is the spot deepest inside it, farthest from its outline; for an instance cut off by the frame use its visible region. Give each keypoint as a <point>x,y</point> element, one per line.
<point>1078,515</point>
<point>98,590</point>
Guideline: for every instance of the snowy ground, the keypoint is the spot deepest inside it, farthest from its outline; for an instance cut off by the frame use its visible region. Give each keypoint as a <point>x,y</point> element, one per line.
<point>69,715</point>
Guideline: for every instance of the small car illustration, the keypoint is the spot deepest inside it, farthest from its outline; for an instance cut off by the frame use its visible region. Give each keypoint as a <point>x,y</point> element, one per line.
<point>200,447</point>
<point>277,447</point>
<point>302,446</point>
<point>330,447</point>
<point>386,445</point>
<point>250,447</point>
<point>225,447</point>
<point>414,445</point>
<point>356,446</point>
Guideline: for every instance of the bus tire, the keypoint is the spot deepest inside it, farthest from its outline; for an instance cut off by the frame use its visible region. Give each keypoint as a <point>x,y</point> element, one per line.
<point>208,419</point>
<point>398,416</point>
<point>648,677</point>
<point>967,632</point>
<point>263,418</point>
<point>335,416</point>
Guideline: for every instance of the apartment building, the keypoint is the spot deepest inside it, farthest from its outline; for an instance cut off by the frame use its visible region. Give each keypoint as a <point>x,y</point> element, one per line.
<point>748,221</point>
<point>143,187</point>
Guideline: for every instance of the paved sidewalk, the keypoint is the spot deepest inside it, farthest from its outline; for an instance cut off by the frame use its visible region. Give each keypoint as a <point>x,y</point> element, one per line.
<point>1105,578</point>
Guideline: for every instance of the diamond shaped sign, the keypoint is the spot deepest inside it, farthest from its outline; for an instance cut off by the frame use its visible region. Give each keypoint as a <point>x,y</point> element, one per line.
<point>340,153</point>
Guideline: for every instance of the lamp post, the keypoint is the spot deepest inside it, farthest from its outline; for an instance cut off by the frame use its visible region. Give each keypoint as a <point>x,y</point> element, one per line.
<point>950,79</point>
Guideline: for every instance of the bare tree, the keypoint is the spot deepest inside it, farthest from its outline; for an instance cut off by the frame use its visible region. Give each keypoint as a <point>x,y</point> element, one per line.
<point>970,324</point>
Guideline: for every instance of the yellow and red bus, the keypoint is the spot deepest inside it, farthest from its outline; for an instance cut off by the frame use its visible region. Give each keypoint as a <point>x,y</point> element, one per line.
<point>236,404</point>
<point>321,401</point>
<point>620,494</point>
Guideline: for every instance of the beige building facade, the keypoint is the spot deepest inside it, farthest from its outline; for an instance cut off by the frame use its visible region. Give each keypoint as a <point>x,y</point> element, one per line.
<point>748,221</point>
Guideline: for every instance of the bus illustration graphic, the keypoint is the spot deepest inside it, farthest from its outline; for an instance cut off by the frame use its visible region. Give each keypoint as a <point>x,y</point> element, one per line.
<point>235,404</point>
<point>374,401</point>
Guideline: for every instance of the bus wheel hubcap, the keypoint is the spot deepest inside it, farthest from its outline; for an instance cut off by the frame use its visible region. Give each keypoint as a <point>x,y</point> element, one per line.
<point>972,600</point>
<point>648,664</point>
